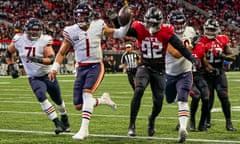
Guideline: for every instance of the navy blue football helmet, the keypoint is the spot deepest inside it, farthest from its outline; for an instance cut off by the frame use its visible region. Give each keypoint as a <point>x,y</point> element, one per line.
<point>178,20</point>
<point>83,14</point>
<point>33,28</point>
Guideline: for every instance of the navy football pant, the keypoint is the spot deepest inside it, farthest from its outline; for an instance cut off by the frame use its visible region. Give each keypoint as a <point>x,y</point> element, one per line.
<point>42,85</point>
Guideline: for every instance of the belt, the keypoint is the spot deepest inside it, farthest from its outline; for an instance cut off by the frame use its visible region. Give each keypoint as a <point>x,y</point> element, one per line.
<point>84,64</point>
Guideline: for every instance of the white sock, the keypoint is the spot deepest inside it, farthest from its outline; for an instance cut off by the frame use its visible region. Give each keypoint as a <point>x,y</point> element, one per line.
<point>87,109</point>
<point>61,108</point>
<point>183,113</point>
<point>49,109</point>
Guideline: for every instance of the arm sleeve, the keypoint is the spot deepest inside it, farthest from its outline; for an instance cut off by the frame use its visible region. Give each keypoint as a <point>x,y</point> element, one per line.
<point>116,23</point>
<point>131,31</point>
<point>177,43</point>
<point>122,31</point>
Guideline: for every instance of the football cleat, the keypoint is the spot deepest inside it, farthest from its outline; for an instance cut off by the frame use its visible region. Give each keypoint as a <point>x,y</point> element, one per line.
<point>59,126</point>
<point>65,122</point>
<point>202,128</point>
<point>229,126</point>
<point>151,129</point>
<point>81,134</point>
<point>182,135</point>
<point>131,132</point>
<point>107,100</point>
<point>59,129</point>
<point>192,125</point>
<point>208,124</point>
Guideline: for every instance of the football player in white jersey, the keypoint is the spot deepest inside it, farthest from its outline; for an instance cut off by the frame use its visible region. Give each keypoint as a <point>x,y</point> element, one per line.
<point>37,55</point>
<point>179,71</point>
<point>85,37</point>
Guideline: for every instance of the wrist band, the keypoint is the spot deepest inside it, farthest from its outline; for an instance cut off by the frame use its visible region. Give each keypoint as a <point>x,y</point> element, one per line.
<point>55,66</point>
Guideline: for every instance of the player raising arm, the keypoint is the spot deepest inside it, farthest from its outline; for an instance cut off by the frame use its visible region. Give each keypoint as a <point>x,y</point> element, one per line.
<point>153,37</point>
<point>85,38</point>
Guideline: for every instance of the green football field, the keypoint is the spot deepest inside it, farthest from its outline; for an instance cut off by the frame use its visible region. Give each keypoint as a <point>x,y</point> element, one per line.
<point>23,122</point>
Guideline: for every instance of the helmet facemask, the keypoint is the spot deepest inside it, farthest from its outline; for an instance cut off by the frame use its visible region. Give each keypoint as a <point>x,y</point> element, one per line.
<point>153,19</point>
<point>179,27</point>
<point>33,29</point>
<point>210,33</point>
<point>83,15</point>
<point>211,28</point>
<point>152,26</point>
<point>178,20</point>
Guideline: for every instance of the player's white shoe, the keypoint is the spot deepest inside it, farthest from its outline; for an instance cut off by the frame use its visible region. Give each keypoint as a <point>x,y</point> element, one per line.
<point>107,100</point>
<point>182,135</point>
<point>81,134</point>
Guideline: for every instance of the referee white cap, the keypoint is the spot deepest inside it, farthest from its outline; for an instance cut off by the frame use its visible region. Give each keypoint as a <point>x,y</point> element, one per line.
<point>128,46</point>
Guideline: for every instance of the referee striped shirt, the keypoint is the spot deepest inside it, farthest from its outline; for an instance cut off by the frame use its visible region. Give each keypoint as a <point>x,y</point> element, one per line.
<point>130,59</point>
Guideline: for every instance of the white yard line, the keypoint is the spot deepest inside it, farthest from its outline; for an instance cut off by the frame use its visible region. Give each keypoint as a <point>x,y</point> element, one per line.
<point>121,136</point>
<point>99,115</point>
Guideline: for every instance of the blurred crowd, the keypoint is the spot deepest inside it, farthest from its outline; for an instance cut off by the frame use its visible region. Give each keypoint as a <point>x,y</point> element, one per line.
<point>56,14</point>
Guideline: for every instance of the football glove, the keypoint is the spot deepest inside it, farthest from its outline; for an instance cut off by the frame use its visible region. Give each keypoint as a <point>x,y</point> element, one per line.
<point>111,14</point>
<point>194,61</point>
<point>14,73</point>
<point>214,72</point>
<point>222,56</point>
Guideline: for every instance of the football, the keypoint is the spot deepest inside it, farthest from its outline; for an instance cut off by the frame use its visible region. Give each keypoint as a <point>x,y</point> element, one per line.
<point>124,15</point>
<point>174,52</point>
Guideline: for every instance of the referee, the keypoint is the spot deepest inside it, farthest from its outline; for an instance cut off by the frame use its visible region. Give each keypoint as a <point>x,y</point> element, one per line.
<point>129,62</point>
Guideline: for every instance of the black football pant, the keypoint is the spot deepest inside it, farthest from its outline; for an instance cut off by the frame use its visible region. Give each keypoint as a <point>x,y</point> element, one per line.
<point>144,76</point>
<point>219,83</point>
<point>131,76</point>
<point>199,91</point>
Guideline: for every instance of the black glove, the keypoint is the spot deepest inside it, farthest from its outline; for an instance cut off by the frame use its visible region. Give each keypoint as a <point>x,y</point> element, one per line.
<point>111,14</point>
<point>222,56</point>
<point>216,71</point>
<point>195,40</point>
<point>194,61</point>
<point>14,73</point>
<point>35,59</point>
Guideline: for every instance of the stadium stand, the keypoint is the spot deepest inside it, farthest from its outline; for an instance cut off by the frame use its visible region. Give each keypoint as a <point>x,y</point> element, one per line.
<point>56,14</point>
